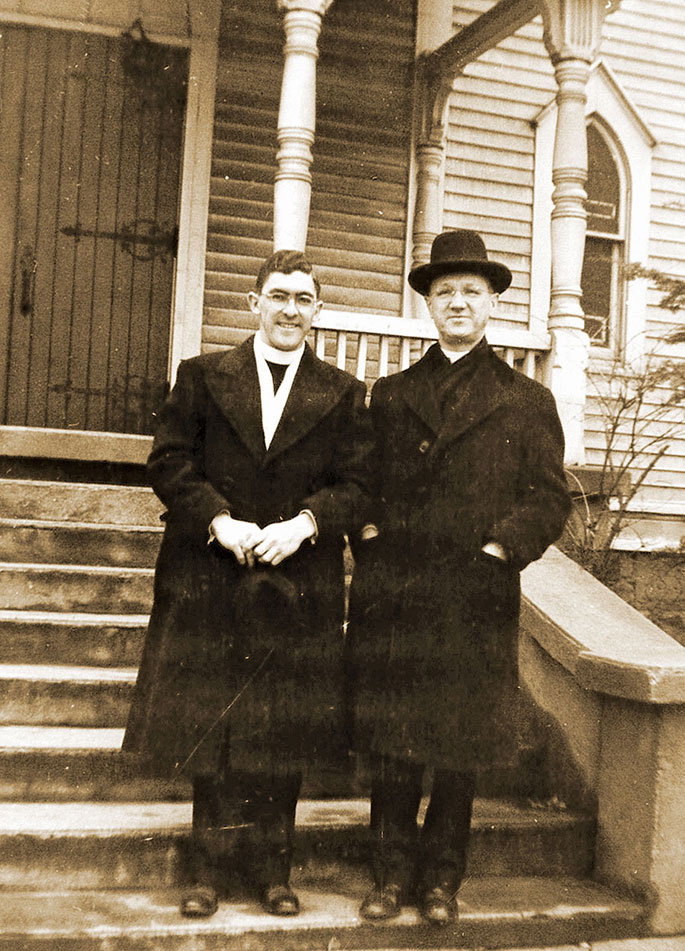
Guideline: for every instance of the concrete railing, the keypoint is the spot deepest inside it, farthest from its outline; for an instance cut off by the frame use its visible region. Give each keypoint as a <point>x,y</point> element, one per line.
<point>611,685</point>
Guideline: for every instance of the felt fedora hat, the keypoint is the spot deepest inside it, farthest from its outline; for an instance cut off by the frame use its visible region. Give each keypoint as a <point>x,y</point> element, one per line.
<point>459,252</point>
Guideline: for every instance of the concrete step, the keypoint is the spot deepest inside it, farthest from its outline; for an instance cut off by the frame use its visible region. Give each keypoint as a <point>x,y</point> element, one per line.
<point>79,543</point>
<point>55,845</point>
<point>44,695</point>
<point>79,502</point>
<point>70,764</point>
<point>103,640</point>
<point>494,913</point>
<point>82,588</point>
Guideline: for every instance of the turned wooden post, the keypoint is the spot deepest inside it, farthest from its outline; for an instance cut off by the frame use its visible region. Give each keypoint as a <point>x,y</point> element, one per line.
<point>296,121</point>
<point>572,33</point>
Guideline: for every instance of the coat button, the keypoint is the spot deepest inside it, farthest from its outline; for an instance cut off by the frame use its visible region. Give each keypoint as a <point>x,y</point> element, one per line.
<point>424,446</point>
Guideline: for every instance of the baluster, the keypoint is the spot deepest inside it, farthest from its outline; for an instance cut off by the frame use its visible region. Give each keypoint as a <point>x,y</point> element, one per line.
<point>509,356</point>
<point>530,364</point>
<point>320,341</point>
<point>405,353</point>
<point>362,350</point>
<point>383,347</point>
<point>341,350</point>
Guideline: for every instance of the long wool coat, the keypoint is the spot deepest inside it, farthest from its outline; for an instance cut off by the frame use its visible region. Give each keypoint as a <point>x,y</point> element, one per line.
<point>432,639</point>
<point>284,672</point>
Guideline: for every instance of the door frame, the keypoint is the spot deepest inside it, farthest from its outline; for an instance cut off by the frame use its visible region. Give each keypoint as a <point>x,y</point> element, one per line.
<point>195,178</point>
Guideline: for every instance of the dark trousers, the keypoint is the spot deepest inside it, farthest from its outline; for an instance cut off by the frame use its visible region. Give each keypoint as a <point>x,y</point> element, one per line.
<point>436,856</point>
<point>257,811</point>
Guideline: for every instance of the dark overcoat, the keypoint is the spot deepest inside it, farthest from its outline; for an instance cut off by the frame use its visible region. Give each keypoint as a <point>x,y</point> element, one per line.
<point>432,639</point>
<point>282,680</point>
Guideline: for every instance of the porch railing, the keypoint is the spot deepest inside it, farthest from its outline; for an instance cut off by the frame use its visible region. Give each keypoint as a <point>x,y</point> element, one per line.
<point>371,346</point>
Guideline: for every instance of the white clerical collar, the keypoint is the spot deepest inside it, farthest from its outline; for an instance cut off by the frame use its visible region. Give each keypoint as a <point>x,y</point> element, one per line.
<point>454,355</point>
<point>284,357</point>
<point>272,403</point>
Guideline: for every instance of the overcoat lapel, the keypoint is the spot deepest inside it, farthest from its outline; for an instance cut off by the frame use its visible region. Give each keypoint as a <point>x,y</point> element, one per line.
<point>312,396</point>
<point>234,385</point>
<point>483,394</point>
<point>418,391</point>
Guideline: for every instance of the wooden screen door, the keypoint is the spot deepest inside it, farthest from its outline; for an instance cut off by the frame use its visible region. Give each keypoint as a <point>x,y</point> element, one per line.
<point>90,149</point>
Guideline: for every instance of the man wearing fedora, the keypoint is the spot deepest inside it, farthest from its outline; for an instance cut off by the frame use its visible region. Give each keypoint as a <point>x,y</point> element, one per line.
<point>470,489</point>
<point>262,459</point>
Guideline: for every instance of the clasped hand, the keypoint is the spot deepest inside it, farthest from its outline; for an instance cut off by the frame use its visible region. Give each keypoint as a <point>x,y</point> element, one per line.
<point>270,545</point>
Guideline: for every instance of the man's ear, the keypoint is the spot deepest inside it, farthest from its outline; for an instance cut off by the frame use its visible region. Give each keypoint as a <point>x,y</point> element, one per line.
<point>253,301</point>
<point>495,302</point>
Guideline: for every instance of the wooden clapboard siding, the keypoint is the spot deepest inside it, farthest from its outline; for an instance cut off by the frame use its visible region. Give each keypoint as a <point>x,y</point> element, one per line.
<point>358,214</point>
<point>491,145</point>
<point>490,163</point>
<point>644,46</point>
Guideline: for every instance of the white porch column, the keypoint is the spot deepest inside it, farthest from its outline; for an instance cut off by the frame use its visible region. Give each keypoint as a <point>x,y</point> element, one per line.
<point>432,93</point>
<point>186,330</point>
<point>430,158</point>
<point>572,35</point>
<point>296,121</point>
<point>433,28</point>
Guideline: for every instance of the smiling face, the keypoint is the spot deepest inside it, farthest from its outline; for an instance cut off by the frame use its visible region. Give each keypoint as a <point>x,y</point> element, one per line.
<point>461,305</point>
<point>286,307</point>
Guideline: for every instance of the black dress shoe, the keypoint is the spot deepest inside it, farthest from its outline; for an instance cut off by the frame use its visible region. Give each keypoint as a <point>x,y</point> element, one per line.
<point>199,901</point>
<point>382,903</point>
<point>281,900</point>
<point>439,905</point>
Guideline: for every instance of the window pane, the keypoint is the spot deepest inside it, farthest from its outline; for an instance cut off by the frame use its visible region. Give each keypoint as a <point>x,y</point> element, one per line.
<point>597,283</point>
<point>603,185</point>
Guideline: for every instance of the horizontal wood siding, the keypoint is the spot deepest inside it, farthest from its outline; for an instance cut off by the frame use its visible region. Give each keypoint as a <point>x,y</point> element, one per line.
<point>644,45</point>
<point>491,145</point>
<point>361,159</point>
<point>490,168</point>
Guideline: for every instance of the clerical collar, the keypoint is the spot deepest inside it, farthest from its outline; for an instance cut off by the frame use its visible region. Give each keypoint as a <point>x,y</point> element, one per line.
<point>454,355</point>
<point>272,355</point>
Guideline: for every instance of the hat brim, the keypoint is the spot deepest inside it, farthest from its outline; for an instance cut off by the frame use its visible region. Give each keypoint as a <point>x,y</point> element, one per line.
<point>266,603</point>
<point>421,277</point>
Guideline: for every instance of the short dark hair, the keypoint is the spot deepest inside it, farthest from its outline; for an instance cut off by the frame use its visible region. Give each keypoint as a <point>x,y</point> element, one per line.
<point>285,262</point>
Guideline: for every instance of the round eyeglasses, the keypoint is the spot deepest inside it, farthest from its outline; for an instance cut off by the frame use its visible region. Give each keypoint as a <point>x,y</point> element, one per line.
<point>304,302</point>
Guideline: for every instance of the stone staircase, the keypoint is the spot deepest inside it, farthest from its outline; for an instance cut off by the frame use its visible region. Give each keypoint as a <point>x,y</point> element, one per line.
<point>92,852</point>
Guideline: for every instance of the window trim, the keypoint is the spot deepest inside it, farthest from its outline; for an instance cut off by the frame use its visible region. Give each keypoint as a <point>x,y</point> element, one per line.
<point>632,143</point>
<point>619,245</point>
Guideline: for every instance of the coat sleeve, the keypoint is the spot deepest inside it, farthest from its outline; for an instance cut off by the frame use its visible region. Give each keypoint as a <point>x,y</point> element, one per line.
<point>341,506</point>
<point>174,467</point>
<point>543,501</point>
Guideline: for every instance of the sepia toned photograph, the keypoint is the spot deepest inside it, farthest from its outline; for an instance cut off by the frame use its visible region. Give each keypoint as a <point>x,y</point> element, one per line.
<point>342,475</point>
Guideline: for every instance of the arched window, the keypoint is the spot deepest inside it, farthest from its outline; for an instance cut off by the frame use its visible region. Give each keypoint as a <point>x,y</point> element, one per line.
<point>602,300</point>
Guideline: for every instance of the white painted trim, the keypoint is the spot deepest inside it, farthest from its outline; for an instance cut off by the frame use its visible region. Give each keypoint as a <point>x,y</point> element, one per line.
<point>613,109</point>
<point>83,26</point>
<point>644,506</point>
<point>186,328</point>
<point>433,24</point>
<point>354,322</point>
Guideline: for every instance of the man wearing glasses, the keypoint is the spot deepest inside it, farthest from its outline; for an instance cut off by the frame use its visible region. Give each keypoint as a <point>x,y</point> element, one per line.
<point>262,461</point>
<point>470,489</point>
